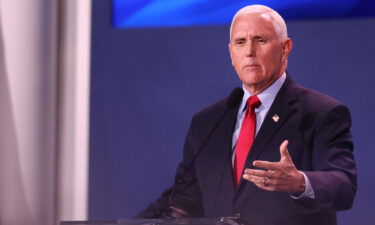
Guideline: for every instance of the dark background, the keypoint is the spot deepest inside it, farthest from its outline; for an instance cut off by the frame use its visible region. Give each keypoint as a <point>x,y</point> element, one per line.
<point>147,83</point>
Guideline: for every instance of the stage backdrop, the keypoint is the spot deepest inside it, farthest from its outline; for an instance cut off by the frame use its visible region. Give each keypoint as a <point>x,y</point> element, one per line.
<point>147,83</point>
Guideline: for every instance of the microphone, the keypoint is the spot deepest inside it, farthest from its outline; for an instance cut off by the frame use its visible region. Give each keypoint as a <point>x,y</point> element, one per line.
<point>235,97</point>
<point>233,100</point>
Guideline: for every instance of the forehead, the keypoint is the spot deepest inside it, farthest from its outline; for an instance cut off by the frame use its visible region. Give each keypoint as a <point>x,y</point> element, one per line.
<point>253,24</point>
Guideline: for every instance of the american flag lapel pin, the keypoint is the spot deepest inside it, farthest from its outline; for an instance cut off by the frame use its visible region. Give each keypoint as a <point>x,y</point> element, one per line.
<point>275,118</point>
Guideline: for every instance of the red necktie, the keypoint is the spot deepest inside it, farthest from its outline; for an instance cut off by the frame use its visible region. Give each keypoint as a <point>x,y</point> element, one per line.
<point>246,138</point>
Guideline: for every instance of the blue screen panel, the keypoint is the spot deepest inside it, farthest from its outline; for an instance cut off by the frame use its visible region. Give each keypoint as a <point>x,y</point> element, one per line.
<point>171,13</point>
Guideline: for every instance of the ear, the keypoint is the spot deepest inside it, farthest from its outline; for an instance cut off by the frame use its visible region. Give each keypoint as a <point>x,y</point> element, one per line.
<point>230,52</point>
<point>287,48</point>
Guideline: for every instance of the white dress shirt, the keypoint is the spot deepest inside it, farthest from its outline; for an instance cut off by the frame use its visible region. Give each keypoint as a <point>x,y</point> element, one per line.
<point>266,97</point>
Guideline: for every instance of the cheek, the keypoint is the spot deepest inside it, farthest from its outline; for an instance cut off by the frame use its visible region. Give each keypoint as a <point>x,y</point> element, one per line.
<point>236,61</point>
<point>272,61</point>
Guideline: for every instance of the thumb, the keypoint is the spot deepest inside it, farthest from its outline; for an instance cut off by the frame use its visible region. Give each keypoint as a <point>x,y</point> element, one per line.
<point>284,151</point>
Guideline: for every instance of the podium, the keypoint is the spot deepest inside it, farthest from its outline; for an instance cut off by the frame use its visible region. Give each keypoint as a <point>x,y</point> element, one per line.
<point>171,221</point>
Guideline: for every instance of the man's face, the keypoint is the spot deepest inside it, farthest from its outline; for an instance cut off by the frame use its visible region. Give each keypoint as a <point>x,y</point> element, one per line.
<point>258,54</point>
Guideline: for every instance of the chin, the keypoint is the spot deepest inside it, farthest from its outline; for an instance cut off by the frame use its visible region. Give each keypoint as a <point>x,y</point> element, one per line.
<point>251,79</point>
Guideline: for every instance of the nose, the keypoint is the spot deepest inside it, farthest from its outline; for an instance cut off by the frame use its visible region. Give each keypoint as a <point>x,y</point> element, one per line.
<point>250,49</point>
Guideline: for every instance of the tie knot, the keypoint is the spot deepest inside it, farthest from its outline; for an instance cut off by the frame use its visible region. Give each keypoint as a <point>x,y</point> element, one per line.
<point>253,102</point>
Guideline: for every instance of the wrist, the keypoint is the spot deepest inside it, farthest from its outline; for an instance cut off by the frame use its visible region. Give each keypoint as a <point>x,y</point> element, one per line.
<point>300,186</point>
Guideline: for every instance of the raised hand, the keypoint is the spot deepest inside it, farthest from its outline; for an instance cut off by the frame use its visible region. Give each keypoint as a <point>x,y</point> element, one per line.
<point>277,176</point>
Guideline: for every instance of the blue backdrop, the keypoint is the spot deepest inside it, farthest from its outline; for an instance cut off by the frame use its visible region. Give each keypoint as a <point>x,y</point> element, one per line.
<point>148,13</point>
<point>147,83</point>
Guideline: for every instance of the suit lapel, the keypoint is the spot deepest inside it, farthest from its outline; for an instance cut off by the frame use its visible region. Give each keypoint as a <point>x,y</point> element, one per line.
<point>228,146</point>
<point>220,168</point>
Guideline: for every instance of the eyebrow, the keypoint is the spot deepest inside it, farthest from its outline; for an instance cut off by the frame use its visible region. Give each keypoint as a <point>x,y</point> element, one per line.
<point>255,37</point>
<point>260,37</point>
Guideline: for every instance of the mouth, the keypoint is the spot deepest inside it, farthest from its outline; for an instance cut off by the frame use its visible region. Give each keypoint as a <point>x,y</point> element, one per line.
<point>250,66</point>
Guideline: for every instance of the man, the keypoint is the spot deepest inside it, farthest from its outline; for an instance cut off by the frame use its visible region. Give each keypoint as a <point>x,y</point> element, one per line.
<point>281,156</point>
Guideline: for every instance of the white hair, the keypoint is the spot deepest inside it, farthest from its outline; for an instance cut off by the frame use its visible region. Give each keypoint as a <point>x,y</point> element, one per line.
<point>277,20</point>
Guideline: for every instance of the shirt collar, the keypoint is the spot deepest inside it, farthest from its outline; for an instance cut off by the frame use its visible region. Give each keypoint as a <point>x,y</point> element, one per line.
<point>267,96</point>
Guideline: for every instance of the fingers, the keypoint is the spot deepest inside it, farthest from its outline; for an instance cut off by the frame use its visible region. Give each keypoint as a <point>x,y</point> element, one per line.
<point>265,164</point>
<point>284,154</point>
<point>253,178</point>
<point>260,173</point>
<point>261,178</point>
<point>261,182</point>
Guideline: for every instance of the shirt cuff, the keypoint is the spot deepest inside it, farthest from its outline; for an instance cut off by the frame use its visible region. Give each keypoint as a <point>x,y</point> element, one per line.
<point>309,192</point>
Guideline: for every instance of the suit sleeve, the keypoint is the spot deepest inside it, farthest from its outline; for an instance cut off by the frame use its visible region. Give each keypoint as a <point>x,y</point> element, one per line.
<point>183,199</point>
<point>333,177</point>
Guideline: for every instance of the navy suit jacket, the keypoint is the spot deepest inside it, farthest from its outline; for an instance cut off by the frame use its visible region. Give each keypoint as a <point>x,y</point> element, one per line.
<point>320,144</point>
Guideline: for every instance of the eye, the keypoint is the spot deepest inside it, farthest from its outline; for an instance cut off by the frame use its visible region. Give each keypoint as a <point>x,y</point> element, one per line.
<point>239,41</point>
<point>262,41</point>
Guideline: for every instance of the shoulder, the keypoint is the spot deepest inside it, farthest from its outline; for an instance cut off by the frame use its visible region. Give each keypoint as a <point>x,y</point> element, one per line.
<point>318,107</point>
<point>308,99</point>
<point>212,111</point>
<point>312,99</point>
